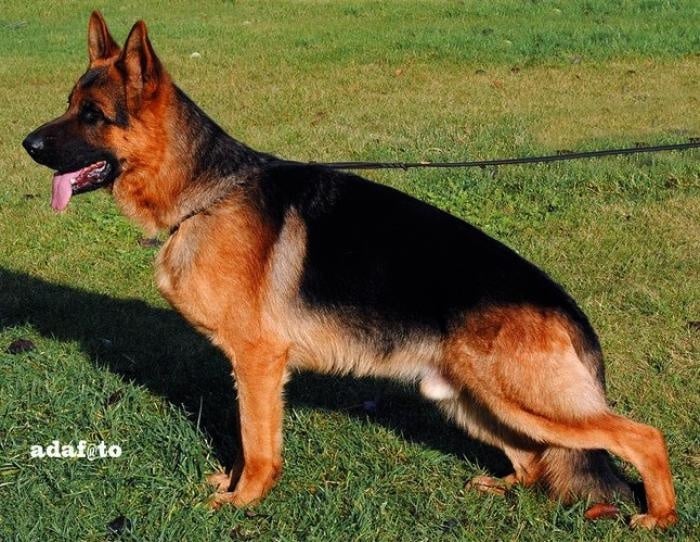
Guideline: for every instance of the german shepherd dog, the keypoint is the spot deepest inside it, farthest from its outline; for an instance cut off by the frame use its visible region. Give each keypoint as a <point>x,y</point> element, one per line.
<point>288,266</point>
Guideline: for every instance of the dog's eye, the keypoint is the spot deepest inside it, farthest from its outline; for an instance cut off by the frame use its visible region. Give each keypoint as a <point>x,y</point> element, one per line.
<point>89,114</point>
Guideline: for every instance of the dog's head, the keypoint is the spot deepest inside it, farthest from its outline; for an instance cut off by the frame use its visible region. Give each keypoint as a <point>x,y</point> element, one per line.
<point>111,127</point>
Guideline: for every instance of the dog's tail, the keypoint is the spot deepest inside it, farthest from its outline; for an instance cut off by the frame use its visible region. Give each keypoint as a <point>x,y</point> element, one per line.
<point>570,475</point>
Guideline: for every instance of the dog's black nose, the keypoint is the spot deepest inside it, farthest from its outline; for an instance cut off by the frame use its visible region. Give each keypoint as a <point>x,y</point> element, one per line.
<point>33,143</point>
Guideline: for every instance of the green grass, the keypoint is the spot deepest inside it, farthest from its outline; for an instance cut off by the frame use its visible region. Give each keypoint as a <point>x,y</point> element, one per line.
<point>334,81</point>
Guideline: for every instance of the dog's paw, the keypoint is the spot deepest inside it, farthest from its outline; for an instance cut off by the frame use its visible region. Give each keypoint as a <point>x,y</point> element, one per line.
<point>220,499</point>
<point>220,481</point>
<point>647,521</point>
<point>237,498</point>
<point>489,484</point>
<point>247,492</point>
<point>251,482</point>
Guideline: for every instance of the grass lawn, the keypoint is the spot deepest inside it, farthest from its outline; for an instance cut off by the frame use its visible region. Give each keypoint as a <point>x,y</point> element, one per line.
<point>391,80</point>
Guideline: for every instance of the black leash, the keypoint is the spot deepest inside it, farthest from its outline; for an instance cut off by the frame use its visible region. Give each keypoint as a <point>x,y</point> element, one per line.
<point>560,157</point>
<point>693,143</point>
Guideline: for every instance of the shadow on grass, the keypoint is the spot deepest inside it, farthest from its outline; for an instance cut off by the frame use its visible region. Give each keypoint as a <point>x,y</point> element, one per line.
<point>156,348</point>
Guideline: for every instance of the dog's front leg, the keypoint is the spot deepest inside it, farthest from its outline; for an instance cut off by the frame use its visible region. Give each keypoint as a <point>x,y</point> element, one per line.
<point>259,372</point>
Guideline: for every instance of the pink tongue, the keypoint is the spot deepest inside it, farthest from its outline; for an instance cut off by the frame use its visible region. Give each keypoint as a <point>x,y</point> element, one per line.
<point>62,191</point>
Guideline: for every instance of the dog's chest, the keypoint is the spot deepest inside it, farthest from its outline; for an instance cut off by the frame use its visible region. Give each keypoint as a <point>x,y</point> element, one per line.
<point>211,269</point>
<point>175,279</point>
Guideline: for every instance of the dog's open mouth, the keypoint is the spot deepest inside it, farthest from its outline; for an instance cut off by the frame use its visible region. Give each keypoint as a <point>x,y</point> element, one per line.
<point>75,182</point>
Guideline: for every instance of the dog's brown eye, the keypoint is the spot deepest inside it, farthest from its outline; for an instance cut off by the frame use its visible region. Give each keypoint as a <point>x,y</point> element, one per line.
<point>89,114</point>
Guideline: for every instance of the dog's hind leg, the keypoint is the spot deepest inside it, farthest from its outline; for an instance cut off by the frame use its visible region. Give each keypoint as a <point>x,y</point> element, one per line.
<point>641,445</point>
<point>529,377</point>
<point>523,453</point>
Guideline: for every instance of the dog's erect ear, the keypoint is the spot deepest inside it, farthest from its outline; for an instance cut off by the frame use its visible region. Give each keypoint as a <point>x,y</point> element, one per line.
<point>101,44</point>
<point>140,65</point>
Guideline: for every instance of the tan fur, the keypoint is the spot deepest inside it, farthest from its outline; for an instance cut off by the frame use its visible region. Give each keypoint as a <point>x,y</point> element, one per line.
<point>154,176</point>
<point>244,296</point>
<point>517,377</point>
<point>321,341</point>
<point>504,374</point>
<point>216,285</point>
<point>526,356</point>
<point>510,376</point>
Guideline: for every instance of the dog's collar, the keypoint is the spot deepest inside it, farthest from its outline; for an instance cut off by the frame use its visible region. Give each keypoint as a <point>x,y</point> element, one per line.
<point>204,209</point>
